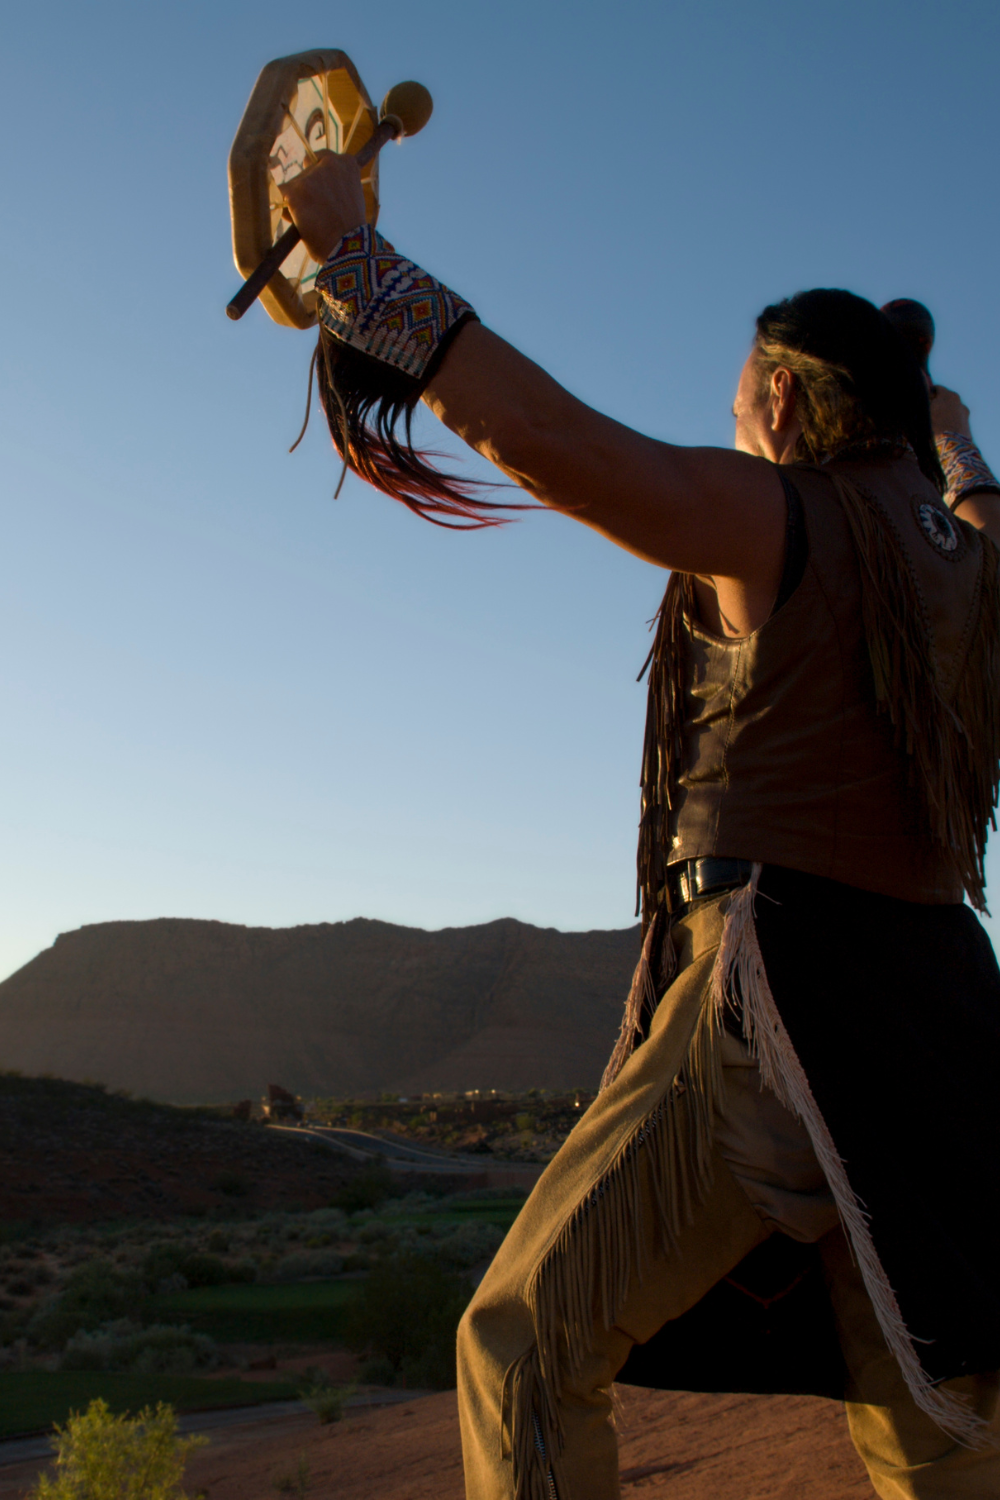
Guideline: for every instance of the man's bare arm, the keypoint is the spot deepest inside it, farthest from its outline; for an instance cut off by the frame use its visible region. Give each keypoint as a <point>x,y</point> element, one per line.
<point>949,413</point>
<point>701,510</point>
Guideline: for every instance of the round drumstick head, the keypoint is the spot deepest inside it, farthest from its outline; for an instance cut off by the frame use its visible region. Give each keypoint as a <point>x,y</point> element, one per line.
<point>914,324</point>
<point>409,103</point>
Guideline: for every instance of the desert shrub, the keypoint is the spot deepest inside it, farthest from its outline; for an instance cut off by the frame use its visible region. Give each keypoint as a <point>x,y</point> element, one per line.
<point>468,1244</point>
<point>170,1259</point>
<point>407,1313</point>
<point>331,1221</point>
<point>125,1346</point>
<point>103,1457</point>
<point>373,1231</point>
<point>173,1283</point>
<point>294,1482</point>
<point>370,1188</point>
<point>202,1269</point>
<point>487,1195</point>
<point>26,1277</point>
<point>14,1355</point>
<point>13,1322</point>
<point>357,1261</point>
<point>96,1293</point>
<point>304,1263</point>
<point>164,1260</point>
<point>326,1400</point>
<point>416,1203</point>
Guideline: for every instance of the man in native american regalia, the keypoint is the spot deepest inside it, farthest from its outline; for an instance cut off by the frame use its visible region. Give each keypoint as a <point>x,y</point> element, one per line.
<point>800,1108</point>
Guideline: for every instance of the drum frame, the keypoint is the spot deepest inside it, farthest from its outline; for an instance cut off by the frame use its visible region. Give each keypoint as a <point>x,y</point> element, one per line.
<point>250,198</point>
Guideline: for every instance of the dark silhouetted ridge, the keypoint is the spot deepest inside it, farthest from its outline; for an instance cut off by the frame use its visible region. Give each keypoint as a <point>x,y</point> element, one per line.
<point>194,1011</point>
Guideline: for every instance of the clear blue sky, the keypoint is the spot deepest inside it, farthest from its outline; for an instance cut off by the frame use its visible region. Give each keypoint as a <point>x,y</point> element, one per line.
<point>225,695</point>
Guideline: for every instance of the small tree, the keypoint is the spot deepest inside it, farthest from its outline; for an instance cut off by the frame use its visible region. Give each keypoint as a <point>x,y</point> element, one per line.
<point>103,1457</point>
<point>406,1315</point>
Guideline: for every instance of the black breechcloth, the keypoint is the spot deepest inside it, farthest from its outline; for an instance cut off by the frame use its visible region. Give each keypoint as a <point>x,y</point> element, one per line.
<point>894,1010</point>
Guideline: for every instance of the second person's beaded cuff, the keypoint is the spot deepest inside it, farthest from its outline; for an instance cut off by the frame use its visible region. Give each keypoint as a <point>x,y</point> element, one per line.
<point>383,306</point>
<point>965,468</point>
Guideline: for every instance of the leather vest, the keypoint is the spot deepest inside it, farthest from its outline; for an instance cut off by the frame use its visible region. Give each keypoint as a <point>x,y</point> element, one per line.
<point>784,756</point>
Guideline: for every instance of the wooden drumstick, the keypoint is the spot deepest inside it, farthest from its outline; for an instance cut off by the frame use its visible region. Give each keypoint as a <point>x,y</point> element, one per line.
<point>406,109</point>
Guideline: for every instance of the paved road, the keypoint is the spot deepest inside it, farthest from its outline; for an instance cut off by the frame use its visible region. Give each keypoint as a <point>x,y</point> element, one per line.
<point>397,1150</point>
<point>22,1450</point>
<point>361,1146</point>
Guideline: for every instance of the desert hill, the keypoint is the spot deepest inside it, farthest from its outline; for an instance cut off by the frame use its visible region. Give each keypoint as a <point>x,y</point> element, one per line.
<point>71,1152</point>
<point>194,1011</point>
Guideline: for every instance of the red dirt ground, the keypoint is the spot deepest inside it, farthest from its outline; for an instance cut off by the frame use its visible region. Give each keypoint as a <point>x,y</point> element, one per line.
<point>674,1446</point>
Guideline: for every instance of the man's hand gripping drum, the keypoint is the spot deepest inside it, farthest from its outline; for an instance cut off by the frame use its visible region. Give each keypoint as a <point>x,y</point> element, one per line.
<point>303,109</point>
<point>306,151</point>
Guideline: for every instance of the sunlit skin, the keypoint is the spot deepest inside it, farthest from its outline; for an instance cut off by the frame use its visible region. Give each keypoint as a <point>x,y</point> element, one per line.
<point>716,513</point>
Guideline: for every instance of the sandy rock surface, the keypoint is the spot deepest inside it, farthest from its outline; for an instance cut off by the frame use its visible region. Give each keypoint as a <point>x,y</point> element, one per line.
<point>674,1445</point>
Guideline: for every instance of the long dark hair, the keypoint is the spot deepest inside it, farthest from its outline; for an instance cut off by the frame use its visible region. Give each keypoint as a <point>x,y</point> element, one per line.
<point>858,384</point>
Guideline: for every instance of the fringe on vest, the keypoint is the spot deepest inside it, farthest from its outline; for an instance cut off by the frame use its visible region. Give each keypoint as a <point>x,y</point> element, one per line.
<point>657,962</point>
<point>592,1263</point>
<point>739,972</point>
<point>663,745</point>
<point>953,748</point>
<point>661,753</point>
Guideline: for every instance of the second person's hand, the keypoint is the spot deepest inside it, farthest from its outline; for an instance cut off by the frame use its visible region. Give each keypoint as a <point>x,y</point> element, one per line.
<point>949,412</point>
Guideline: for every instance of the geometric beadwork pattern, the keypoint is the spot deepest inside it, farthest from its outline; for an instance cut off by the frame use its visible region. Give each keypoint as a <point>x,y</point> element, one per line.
<point>965,468</point>
<point>383,305</point>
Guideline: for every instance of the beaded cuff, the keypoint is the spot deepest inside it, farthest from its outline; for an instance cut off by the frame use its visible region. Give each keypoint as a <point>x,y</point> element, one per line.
<point>965,469</point>
<point>382,305</point>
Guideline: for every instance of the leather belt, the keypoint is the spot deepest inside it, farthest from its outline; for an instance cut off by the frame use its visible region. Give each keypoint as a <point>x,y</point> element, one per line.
<point>691,879</point>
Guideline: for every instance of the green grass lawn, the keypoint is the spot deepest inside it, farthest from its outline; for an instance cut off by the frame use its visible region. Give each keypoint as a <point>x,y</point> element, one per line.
<point>311,1310</point>
<point>34,1399</point>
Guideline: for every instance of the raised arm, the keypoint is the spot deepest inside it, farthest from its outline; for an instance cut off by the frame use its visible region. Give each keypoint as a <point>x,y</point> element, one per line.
<point>708,511</point>
<point>979,504</point>
<point>702,510</point>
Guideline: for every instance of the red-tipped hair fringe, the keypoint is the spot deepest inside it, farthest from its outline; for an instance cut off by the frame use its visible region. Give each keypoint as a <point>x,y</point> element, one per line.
<point>363,401</point>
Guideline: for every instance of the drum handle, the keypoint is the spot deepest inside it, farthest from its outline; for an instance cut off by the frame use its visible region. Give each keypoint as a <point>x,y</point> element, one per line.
<point>386,130</point>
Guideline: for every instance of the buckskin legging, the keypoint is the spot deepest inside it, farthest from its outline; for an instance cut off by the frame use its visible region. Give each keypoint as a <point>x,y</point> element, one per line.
<point>653,1198</point>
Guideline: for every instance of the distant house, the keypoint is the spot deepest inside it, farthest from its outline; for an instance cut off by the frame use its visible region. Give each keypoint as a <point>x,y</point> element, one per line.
<point>280,1104</point>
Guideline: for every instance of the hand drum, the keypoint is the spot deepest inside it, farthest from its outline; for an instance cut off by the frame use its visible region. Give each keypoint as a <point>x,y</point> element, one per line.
<point>301,105</point>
